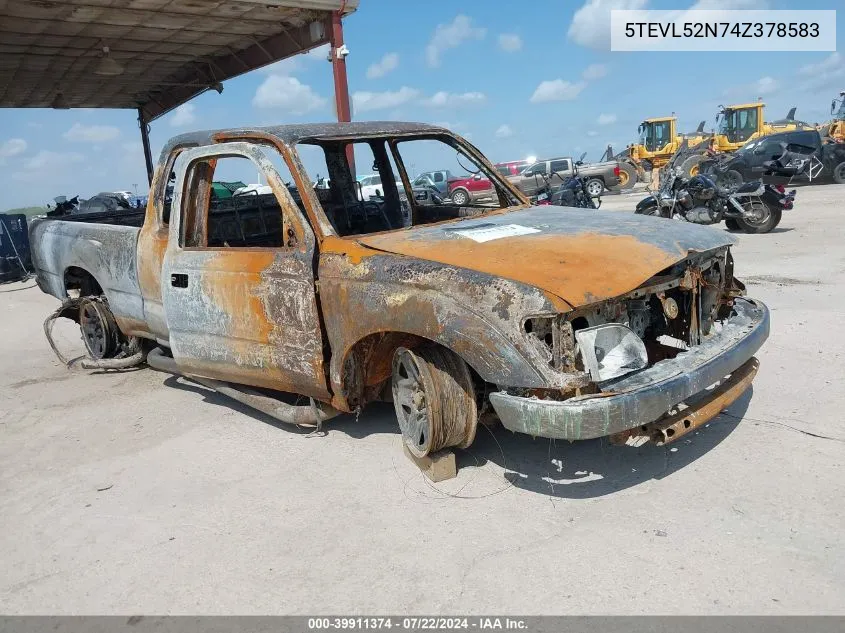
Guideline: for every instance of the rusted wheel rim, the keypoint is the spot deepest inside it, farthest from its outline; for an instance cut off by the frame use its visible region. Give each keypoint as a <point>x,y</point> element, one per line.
<point>410,399</point>
<point>96,330</point>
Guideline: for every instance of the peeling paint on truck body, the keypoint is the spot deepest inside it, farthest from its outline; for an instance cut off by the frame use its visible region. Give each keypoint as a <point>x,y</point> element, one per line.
<point>322,315</point>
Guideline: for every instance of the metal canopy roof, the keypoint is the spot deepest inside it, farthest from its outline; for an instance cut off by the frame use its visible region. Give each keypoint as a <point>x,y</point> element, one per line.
<point>169,50</point>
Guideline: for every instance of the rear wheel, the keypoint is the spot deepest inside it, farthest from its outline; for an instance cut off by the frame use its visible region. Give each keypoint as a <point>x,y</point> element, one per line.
<point>434,399</point>
<point>732,224</point>
<point>839,173</point>
<point>460,197</point>
<point>595,187</point>
<point>763,219</point>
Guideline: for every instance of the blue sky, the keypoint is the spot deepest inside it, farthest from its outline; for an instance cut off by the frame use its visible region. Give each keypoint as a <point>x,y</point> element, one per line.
<point>516,78</point>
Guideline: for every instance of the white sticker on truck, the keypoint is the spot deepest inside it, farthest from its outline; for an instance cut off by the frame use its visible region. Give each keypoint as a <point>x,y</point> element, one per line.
<point>488,232</point>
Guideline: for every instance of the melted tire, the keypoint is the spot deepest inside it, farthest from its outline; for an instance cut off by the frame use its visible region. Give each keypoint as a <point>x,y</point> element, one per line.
<point>434,399</point>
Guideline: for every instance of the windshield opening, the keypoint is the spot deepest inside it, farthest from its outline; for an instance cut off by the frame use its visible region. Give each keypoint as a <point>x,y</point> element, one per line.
<point>446,183</point>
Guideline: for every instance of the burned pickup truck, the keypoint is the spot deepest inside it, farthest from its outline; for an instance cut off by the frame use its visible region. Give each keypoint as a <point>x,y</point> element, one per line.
<point>307,302</point>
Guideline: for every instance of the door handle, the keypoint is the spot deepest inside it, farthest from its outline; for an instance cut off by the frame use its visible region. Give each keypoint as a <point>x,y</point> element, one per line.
<point>179,280</point>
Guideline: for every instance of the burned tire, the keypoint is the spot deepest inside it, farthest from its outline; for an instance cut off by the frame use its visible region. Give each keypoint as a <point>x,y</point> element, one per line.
<point>99,329</point>
<point>595,187</point>
<point>460,197</point>
<point>839,173</point>
<point>434,399</point>
<point>766,219</point>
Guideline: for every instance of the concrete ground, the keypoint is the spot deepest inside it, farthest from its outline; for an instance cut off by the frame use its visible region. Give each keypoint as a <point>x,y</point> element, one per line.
<point>136,492</point>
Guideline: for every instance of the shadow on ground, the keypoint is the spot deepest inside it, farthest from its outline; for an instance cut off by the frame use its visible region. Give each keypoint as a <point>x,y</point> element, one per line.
<point>570,470</point>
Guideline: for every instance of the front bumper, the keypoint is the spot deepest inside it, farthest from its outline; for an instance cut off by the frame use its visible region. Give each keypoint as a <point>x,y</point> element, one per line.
<point>643,397</point>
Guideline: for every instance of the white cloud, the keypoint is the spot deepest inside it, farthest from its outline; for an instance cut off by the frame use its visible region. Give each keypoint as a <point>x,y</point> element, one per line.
<point>510,42</point>
<point>557,90</point>
<point>297,63</point>
<point>451,35</point>
<point>591,23</point>
<point>606,119</point>
<point>12,147</point>
<point>449,100</point>
<point>592,133</point>
<point>321,53</point>
<point>47,164</point>
<point>504,131</point>
<point>594,71</point>
<point>91,133</point>
<point>183,115</point>
<point>363,101</point>
<point>765,86</point>
<point>386,64</point>
<point>287,94</point>
<point>820,75</point>
<point>830,63</point>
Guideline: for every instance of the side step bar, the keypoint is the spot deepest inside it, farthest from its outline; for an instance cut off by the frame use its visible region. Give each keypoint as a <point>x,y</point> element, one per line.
<point>311,415</point>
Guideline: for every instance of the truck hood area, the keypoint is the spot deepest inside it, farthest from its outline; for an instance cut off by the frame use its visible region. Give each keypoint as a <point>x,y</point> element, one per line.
<point>581,256</point>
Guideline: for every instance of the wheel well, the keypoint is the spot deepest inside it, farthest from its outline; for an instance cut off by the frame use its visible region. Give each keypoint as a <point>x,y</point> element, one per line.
<point>80,279</point>
<point>368,365</point>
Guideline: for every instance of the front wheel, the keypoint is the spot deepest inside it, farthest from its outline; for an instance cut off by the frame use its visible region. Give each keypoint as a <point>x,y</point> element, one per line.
<point>594,187</point>
<point>649,210</point>
<point>839,173</point>
<point>434,399</point>
<point>762,219</point>
<point>460,197</point>
<point>627,176</point>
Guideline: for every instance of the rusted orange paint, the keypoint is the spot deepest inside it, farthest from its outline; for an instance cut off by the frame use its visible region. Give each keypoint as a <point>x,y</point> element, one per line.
<point>239,295</point>
<point>355,251</point>
<point>580,269</point>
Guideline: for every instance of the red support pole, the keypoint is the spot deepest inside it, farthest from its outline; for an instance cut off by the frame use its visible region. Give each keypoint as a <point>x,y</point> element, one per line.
<point>341,84</point>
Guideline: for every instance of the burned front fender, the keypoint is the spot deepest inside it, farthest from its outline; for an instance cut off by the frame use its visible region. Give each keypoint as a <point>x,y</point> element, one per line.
<point>478,316</point>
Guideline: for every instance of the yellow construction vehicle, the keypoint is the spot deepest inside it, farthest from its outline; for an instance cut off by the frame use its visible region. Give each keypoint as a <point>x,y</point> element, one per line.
<point>834,130</point>
<point>736,125</point>
<point>659,140</point>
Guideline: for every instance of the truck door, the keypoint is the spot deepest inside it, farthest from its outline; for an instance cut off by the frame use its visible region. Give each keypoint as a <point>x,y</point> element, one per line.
<point>238,276</point>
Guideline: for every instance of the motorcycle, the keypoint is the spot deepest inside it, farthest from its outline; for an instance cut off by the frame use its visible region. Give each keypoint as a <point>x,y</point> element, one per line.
<point>572,192</point>
<point>753,207</point>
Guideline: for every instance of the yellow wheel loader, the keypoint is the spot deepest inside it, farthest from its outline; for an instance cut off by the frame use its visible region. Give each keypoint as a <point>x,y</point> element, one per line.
<point>834,130</point>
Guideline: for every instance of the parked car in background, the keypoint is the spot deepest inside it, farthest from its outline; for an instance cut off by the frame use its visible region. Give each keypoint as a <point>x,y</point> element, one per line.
<point>597,176</point>
<point>823,160</point>
<point>470,189</point>
<point>438,179</point>
<point>370,186</point>
<point>531,179</point>
<point>511,168</point>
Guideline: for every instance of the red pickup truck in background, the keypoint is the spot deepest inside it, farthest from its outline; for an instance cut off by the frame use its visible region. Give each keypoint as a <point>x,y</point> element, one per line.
<point>476,187</point>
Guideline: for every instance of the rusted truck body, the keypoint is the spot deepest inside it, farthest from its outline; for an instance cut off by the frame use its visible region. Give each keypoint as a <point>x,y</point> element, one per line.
<point>562,323</point>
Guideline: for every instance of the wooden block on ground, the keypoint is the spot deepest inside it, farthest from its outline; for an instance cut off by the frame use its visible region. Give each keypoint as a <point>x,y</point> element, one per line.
<point>438,466</point>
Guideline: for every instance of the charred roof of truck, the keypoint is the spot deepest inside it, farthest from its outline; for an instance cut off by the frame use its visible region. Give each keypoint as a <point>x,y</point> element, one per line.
<point>297,133</point>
